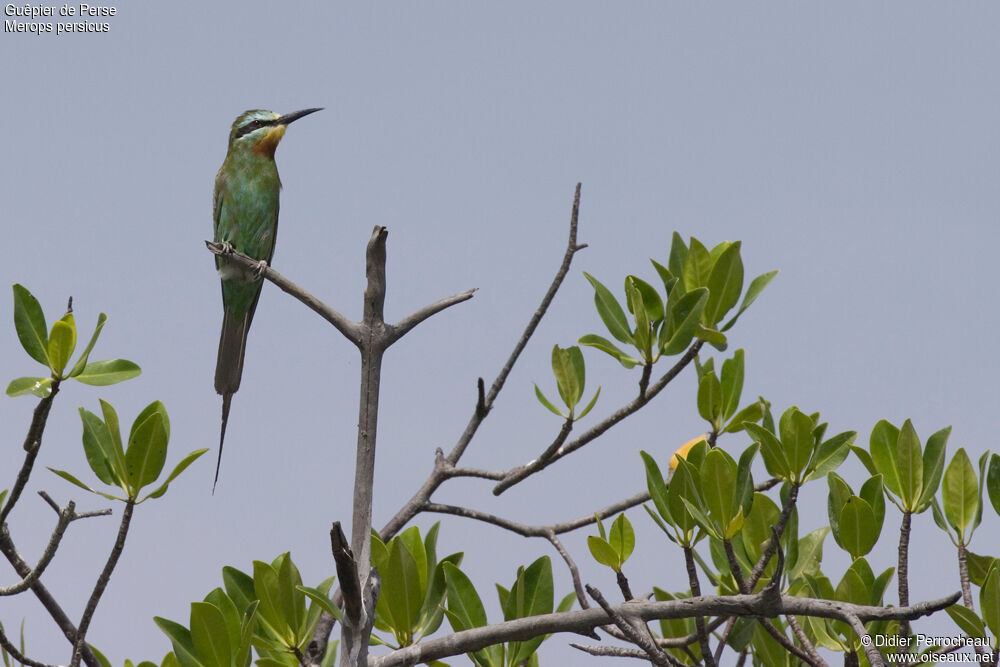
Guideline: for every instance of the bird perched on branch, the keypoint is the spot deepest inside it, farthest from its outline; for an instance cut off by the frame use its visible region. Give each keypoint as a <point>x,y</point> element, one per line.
<point>246,220</point>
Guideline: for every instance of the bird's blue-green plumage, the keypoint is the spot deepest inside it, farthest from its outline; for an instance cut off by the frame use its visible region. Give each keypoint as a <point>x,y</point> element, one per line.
<point>246,217</point>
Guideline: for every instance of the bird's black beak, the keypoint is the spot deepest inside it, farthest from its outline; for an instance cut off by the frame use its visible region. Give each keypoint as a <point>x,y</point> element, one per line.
<point>295,115</point>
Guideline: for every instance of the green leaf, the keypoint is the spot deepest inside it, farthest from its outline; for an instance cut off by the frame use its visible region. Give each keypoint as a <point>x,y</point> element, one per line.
<point>209,635</point>
<point>531,595</point>
<point>590,406</point>
<point>979,567</point>
<point>717,339</point>
<point>678,255</point>
<point>112,371</point>
<point>114,429</point>
<point>432,613</point>
<point>665,274</point>
<point>771,451</point>
<point>610,311</point>
<point>267,590</point>
<point>756,530</point>
<point>960,493</point>
<point>81,363</point>
<point>796,430</point>
<point>62,342</point>
<point>415,545</point>
<point>29,322</point>
<point>757,286</point>
<point>40,387</point>
<point>989,598</point>
<point>751,413</point>
<point>993,482</point>
<point>683,486</point>
<point>967,620</point>
<point>830,454</point>
<point>857,527</point>
<point>732,383</point>
<point>603,553</point>
<point>933,465</point>
<point>650,299</point>
<point>622,537</point>
<point>99,448</point>
<point>147,450</point>
<point>293,604</point>
<point>681,322</point>
<point>230,614</point>
<point>568,367</point>
<point>178,469</point>
<point>401,590</point>
<point>697,266</point>
<point>710,399</point>
<point>656,486</point>
<point>810,554</point>
<point>320,598</point>
<point>910,463</point>
<point>239,586</point>
<point>73,480</point>
<point>718,481</point>
<point>604,345</point>
<point>872,493</point>
<point>883,450</point>
<point>642,336</point>
<point>465,611</point>
<point>855,586</point>
<point>180,640</point>
<point>724,284</point>
<point>547,403</point>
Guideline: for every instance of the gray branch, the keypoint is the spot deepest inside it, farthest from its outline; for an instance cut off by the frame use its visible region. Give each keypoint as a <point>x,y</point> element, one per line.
<point>351,330</point>
<point>762,604</point>
<point>66,516</point>
<point>519,473</point>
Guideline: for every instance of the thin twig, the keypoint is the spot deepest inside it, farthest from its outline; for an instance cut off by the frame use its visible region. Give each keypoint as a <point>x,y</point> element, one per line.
<point>699,620</point>
<point>66,516</point>
<point>60,617</point>
<point>634,632</point>
<point>516,475</point>
<point>765,603</point>
<point>484,401</point>
<point>902,572</point>
<point>102,582</point>
<point>807,646</point>
<point>351,330</point>
<point>17,655</point>
<point>32,443</point>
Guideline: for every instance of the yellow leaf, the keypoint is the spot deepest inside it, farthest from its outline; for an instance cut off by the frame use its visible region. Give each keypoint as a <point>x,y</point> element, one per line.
<point>682,451</point>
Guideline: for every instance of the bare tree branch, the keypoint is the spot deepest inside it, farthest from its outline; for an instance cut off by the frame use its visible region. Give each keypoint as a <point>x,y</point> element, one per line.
<point>765,604</point>
<point>401,328</point>
<point>484,402</point>
<point>32,443</point>
<point>102,582</point>
<point>17,655</point>
<point>637,633</point>
<point>66,516</point>
<point>518,474</point>
<point>351,330</point>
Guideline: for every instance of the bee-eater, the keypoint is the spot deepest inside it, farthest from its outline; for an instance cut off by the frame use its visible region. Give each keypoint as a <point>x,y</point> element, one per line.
<point>246,218</point>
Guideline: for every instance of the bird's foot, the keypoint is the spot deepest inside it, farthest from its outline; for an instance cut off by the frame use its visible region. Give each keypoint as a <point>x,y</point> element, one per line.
<point>227,248</point>
<point>258,271</point>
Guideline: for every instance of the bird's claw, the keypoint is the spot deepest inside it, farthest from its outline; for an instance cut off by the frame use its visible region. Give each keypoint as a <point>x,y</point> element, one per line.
<point>227,248</point>
<point>258,270</point>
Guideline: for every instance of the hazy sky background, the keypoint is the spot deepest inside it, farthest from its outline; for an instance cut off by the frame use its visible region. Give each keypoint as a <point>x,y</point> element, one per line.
<point>854,146</point>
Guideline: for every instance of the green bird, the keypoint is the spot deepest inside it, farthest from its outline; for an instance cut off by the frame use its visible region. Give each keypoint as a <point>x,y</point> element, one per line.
<point>246,218</point>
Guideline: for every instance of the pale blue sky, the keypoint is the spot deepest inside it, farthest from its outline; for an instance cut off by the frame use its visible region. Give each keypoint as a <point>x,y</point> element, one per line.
<point>853,146</point>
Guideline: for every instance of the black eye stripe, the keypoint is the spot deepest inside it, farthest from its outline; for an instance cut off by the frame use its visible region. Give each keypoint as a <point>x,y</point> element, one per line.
<point>251,126</point>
